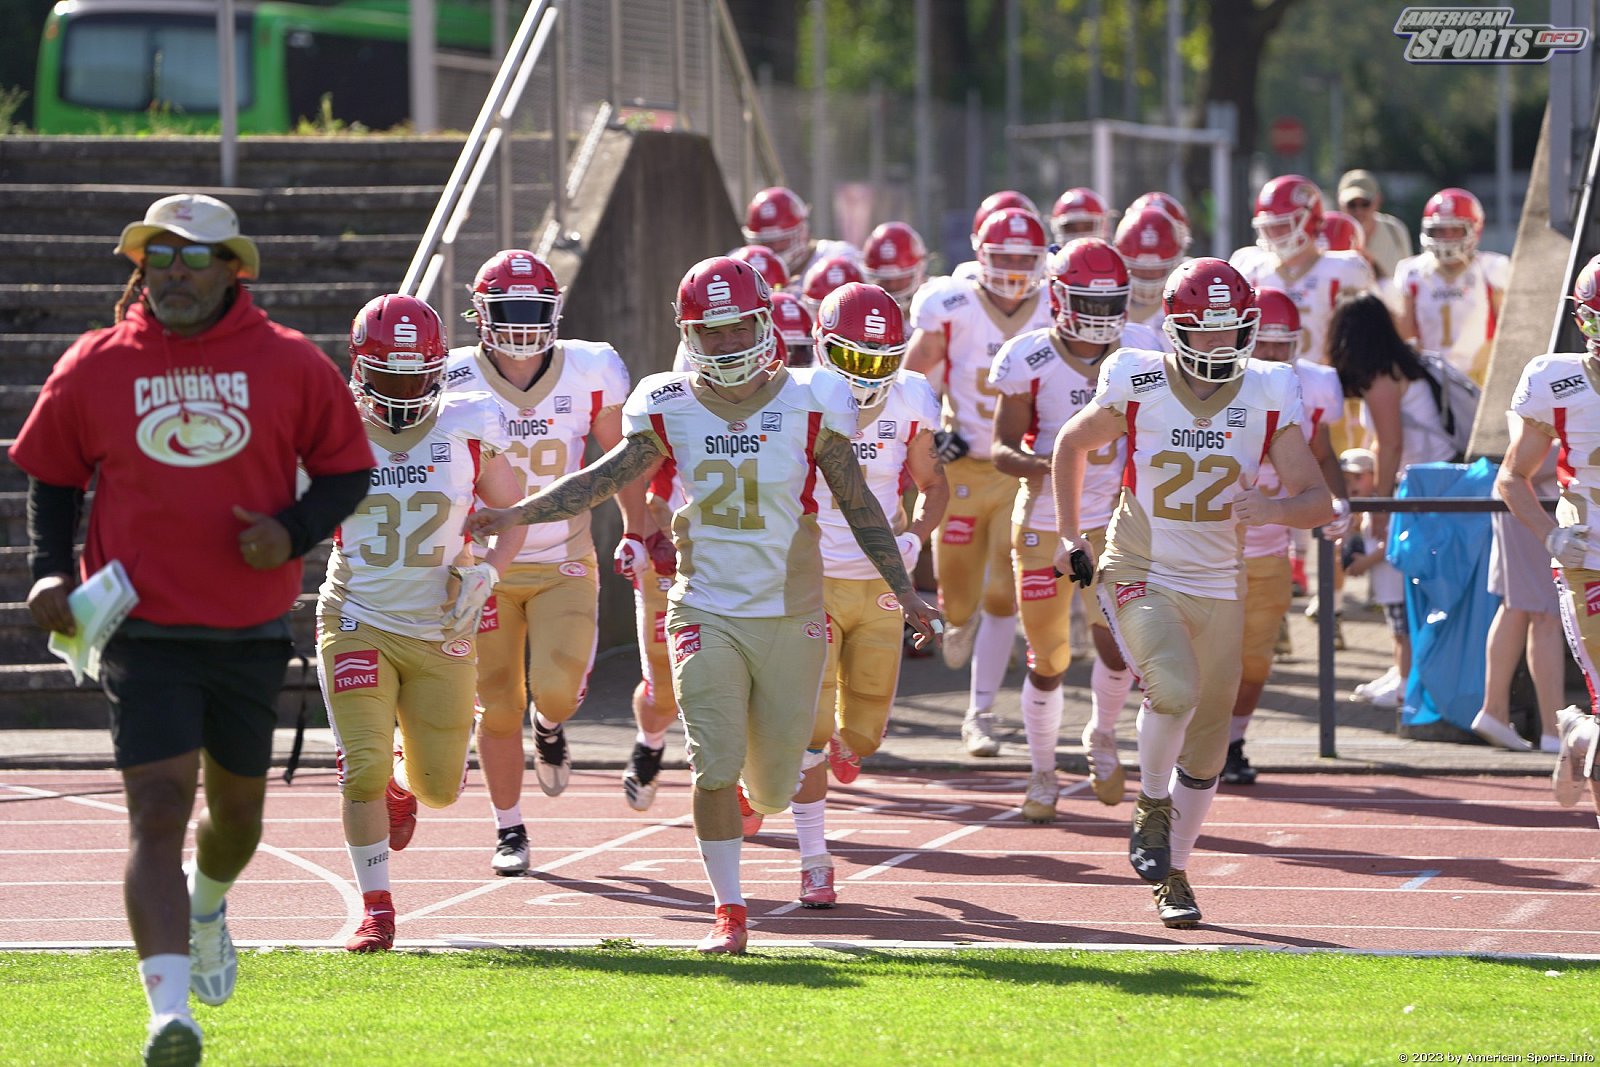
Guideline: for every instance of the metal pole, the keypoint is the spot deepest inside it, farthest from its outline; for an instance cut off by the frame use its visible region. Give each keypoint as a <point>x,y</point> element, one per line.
<point>713,82</point>
<point>1130,63</point>
<point>1336,126</point>
<point>1562,65</point>
<point>499,28</point>
<point>558,128</point>
<point>1100,158</point>
<point>922,183</point>
<point>614,65</point>
<point>1013,82</point>
<point>1096,108</point>
<point>1174,92</point>
<point>424,72</point>
<point>975,147</point>
<point>227,94</point>
<point>1503,225</point>
<point>875,134</point>
<point>505,208</point>
<point>821,169</point>
<point>680,70</point>
<point>1222,200</point>
<point>1325,621</point>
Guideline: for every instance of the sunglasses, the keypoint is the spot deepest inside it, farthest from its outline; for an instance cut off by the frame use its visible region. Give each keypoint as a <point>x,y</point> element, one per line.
<point>195,257</point>
<point>1358,204</point>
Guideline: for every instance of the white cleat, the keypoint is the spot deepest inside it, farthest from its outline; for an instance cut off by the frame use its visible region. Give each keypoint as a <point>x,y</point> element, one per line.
<point>977,732</point>
<point>1106,776</point>
<point>1039,804</point>
<point>552,759</point>
<point>1579,733</point>
<point>174,1041</point>
<point>213,964</point>
<point>957,644</point>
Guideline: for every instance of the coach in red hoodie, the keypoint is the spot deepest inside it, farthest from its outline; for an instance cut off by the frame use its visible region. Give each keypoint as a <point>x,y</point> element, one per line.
<point>189,416</point>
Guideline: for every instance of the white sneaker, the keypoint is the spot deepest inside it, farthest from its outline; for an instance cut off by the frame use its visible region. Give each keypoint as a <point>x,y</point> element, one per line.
<point>957,644</point>
<point>1579,733</point>
<point>174,1041</point>
<point>1106,776</point>
<point>1383,691</point>
<point>978,734</point>
<point>1549,743</point>
<point>1039,805</point>
<point>213,964</point>
<point>1498,733</point>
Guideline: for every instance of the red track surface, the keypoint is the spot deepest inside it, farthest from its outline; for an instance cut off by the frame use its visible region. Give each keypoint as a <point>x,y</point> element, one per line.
<point>1480,865</point>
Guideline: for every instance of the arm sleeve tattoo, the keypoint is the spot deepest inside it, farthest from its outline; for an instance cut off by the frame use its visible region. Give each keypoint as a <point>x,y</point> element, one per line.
<point>837,461</point>
<point>600,480</point>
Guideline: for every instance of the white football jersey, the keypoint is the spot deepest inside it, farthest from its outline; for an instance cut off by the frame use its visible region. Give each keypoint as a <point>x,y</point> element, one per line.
<point>1322,400</point>
<point>1061,385</point>
<point>1174,523</point>
<point>747,533</point>
<point>549,425</point>
<point>1455,316</point>
<point>1315,292</point>
<point>1559,394</point>
<point>391,557</point>
<point>881,441</point>
<point>974,329</point>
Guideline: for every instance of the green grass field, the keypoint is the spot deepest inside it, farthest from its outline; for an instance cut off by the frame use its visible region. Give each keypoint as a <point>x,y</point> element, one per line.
<point>625,1005</point>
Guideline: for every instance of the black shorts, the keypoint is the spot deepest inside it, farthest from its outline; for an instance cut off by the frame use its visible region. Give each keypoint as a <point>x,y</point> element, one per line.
<point>169,697</point>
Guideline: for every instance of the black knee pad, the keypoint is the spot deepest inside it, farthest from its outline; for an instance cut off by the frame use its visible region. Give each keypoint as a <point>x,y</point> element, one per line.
<point>1196,783</point>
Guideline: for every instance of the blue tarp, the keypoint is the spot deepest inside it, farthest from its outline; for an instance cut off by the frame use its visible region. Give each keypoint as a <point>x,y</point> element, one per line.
<point>1445,561</point>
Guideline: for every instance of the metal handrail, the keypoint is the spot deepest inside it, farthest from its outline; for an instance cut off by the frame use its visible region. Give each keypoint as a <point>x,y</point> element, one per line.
<point>1326,605</point>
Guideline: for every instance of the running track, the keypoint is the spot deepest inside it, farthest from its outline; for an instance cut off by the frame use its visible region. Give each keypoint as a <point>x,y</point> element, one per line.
<point>1473,865</point>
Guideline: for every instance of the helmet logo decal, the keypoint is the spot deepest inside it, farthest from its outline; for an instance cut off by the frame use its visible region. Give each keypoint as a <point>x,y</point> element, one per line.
<point>405,332</point>
<point>520,265</point>
<point>1219,293</point>
<point>358,330</point>
<point>719,291</point>
<point>873,324</point>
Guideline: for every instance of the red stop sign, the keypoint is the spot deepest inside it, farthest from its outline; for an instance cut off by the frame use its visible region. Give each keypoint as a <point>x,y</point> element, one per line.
<point>1287,135</point>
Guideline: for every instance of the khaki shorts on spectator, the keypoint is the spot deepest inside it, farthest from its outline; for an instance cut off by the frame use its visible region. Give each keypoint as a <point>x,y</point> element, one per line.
<point>865,635</point>
<point>747,693</point>
<point>544,615</point>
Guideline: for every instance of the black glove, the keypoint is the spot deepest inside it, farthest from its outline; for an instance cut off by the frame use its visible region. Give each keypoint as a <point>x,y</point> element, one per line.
<point>1082,569</point>
<point>949,446</point>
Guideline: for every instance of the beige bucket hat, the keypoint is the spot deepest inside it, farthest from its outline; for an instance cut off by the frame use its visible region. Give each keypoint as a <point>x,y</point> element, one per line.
<point>197,217</point>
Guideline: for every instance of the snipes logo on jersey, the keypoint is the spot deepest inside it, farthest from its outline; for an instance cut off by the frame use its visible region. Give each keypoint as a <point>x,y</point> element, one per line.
<point>355,670</point>
<point>1481,35</point>
<point>192,418</point>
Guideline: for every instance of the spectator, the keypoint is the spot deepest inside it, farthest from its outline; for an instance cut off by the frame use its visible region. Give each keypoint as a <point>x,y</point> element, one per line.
<point>1388,240</point>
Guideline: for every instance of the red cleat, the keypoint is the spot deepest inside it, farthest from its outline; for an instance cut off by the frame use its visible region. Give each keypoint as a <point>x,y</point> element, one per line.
<point>730,935</point>
<point>846,765</point>
<point>750,817</point>
<point>816,888</point>
<point>402,815</point>
<point>376,932</point>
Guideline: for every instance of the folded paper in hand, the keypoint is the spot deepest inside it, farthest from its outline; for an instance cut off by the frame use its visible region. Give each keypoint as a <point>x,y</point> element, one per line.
<point>98,607</point>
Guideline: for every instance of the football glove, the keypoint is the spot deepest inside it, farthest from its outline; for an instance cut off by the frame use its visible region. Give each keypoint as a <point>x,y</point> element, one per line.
<point>477,584</point>
<point>1568,545</point>
<point>663,554</point>
<point>1339,525</point>
<point>630,559</point>
<point>910,546</point>
<point>949,446</point>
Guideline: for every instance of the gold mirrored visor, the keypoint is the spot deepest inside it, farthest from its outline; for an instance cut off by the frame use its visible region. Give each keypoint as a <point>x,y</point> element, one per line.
<point>872,363</point>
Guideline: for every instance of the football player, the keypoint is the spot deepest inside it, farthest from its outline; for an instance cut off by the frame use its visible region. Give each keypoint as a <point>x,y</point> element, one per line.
<point>959,325</point>
<point>777,218</point>
<point>1079,212</point>
<point>823,277</point>
<point>1150,243</point>
<point>896,260</point>
<point>539,629</point>
<point>1557,403</point>
<point>997,201</point>
<point>1451,294</point>
<point>1199,423</point>
<point>398,613</point>
<point>745,621</point>
<point>766,262</point>
<point>1044,377</point>
<point>793,323</point>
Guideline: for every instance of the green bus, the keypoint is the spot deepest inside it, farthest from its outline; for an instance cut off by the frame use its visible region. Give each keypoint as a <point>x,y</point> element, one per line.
<point>124,66</point>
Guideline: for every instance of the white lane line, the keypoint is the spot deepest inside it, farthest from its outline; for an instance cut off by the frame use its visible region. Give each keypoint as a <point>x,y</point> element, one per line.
<point>544,868</point>
<point>1420,880</point>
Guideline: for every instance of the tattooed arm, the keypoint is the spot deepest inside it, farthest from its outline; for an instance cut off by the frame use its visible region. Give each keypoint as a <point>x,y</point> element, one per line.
<point>575,493</point>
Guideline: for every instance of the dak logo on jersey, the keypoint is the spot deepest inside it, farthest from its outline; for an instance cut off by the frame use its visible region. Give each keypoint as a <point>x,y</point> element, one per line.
<point>1567,385</point>
<point>771,421</point>
<point>1236,417</point>
<point>440,451</point>
<point>886,429</point>
<point>563,405</point>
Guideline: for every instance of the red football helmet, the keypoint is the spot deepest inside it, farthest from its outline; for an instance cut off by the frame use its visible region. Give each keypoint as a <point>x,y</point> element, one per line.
<point>1149,244</point>
<point>397,357</point>
<point>1208,296</point>
<point>776,218</point>
<point>717,293</point>
<point>767,263</point>
<point>1169,206</point>
<point>1288,215</point>
<point>1586,304</point>
<point>896,260</point>
<point>824,277</point>
<point>1005,198</point>
<point>1341,233</point>
<point>1089,291</point>
<point>517,303</point>
<point>861,333</point>
<point>1278,334</point>
<point>1011,251</point>
<point>793,323</point>
<point>1077,213</point>
<point>1452,222</point>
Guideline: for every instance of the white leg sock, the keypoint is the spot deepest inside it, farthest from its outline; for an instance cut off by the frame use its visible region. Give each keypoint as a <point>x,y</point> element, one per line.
<point>1237,726</point>
<point>809,830</point>
<point>722,869</point>
<point>1108,691</point>
<point>655,740</point>
<point>371,864</point>
<point>1160,742</point>
<point>166,983</point>
<point>1189,809</point>
<point>505,818</point>
<point>1041,720</point>
<point>205,894</point>
<point>991,654</point>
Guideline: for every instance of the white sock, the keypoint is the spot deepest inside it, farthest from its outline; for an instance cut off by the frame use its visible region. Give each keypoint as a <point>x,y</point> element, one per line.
<point>542,723</point>
<point>991,654</point>
<point>506,818</point>
<point>1108,691</point>
<point>166,983</point>
<point>1237,726</point>
<point>1160,742</point>
<point>205,894</point>
<point>1041,721</point>
<point>722,869</point>
<point>1189,808</point>
<point>808,827</point>
<point>371,864</point>
<point>649,740</point>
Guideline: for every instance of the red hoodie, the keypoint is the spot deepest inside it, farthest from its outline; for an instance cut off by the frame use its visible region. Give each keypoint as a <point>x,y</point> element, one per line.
<point>179,430</point>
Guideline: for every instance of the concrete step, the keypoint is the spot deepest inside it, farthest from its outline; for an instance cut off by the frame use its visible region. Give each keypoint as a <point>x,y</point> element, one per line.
<point>310,307</point>
<point>37,696</point>
<point>16,578</point>
<point>264,162</point>
<point>26,358</point>
<point>89,259</point>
